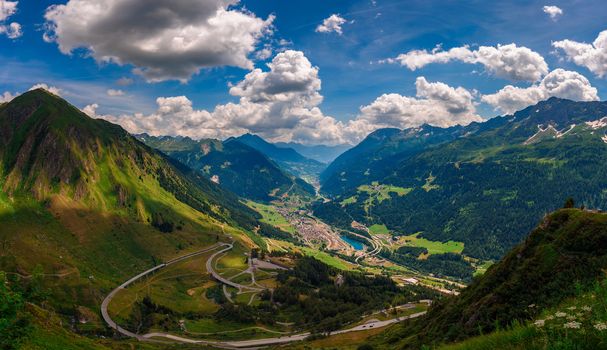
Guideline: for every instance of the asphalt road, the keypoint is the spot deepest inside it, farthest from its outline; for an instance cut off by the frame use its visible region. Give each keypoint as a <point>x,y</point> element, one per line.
<point>112,294</point>
<point>223,280</point>
<point>254,343</point>
<point>240,344</point>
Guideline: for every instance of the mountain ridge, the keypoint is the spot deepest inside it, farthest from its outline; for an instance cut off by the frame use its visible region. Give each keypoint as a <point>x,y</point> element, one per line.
<point>234,165</point>
<point>481,171</point>
<point>287,158</point>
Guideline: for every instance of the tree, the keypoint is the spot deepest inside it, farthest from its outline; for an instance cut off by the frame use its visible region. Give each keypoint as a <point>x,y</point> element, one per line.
<point>569,203</point>
<point>14,323</point>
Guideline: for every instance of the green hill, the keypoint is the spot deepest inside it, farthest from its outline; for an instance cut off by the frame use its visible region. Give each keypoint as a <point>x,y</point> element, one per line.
<point>84,206</point>
<point>485,184</point>
<point>563,257</point>
<point>234,165</point>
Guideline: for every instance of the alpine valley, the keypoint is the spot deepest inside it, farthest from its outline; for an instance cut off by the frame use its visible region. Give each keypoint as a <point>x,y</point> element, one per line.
<point>290,189</point>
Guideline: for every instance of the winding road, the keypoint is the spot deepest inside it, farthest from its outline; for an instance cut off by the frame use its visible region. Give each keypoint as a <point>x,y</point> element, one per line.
<point>240,344</point>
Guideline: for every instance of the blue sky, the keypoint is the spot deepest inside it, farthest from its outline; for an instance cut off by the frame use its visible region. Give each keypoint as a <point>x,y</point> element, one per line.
<point>351,66</point>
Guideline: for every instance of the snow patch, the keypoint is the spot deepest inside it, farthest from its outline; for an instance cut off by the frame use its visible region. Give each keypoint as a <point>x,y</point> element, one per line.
<point>549,131</point>
<point>597,124</point>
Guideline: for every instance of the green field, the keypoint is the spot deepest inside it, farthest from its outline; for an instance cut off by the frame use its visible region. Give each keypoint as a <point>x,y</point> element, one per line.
<point>271,216</point>
<point>482,268</point>
<point>377,193</point>
<point>433,247</point>
<point>180,287</point>
<point>327,258</point>
<point>378,229</point>
<point>381,192</point>
<point>349,200</point>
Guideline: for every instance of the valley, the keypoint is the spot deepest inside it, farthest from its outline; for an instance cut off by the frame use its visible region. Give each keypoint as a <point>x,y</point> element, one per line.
<point>129,245</point>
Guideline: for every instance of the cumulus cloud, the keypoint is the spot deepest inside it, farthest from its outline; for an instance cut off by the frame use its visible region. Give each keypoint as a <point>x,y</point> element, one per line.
<point>558,83</point>
<point>7,9</point>
<point>164,40</point>
<point>331,24</point>
<point>435,103</point>
<point>115,92</point>
<point>91,110</point>
<point>52,89</point>
<point>592,56</point>
<point>553,11</point>
<point>7,96</point>
<point>282,103</point>
<point>505,61</point>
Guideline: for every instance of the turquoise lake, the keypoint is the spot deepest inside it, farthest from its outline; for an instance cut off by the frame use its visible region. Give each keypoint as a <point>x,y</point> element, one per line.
<point>354,243</point>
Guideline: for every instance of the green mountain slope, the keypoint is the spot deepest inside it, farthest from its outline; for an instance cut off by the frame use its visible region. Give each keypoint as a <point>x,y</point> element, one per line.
<point>84,206</point>
<point>489,185</point>
<point>375,156</point>
<point>287,158</point>
<point>235,166</point>
<point>565,255</point>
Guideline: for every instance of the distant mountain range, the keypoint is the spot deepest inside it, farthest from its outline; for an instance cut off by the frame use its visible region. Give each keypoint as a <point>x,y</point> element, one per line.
<point>233,164</point>
<point>484,184</point>
<point>321,153</point>
<point>289,159</point>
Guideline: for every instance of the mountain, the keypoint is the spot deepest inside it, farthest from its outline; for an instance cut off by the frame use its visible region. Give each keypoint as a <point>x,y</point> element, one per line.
<point>84,206</point>
<point>287,158</point>
<point>371,159</point>
<point>234,165</point>
<point>321,153</point>
<point>564,257</point>
<point>484,185</point>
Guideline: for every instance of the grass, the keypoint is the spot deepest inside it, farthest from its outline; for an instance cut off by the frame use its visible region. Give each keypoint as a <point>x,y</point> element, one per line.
<point>482,268</point>
<point>378,229</point>
<point>327,258</point>
<point>429,186</point>
<point>517,339</point>
<point>349,200</point>
<point>180,287</point>
<point>347,341</point>
<point>378,192</point>
<point>271,216</point>
<point>433,247</point>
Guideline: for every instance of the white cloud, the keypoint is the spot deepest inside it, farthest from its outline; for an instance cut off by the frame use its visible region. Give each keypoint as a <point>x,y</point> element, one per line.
<point>124,81</point>
<point>331,24</point>
<point>7,96</point>
<point>264,53</point>
<point>592,56</point>
<point>91,110</point>
<point>164,40</point>
<point>115,92</point>
<point>436,104</point>
<point>504,61</point>
<point>558,83</point>
<point>280,104</point>
<point>553,11</point>
<point>52,89</point>
<point>7,9</point>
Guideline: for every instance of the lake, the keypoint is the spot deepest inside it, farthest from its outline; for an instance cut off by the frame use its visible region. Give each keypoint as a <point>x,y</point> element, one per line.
<point>354,243</point>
